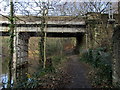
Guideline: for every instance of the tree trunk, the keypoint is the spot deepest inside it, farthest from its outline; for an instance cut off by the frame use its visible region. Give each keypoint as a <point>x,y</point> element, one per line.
<point>41,43</point>
<point>11,32</point>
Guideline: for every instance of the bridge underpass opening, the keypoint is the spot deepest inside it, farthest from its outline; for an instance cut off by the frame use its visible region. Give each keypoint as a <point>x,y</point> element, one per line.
<point>53,45</point>
<point>56,48</point>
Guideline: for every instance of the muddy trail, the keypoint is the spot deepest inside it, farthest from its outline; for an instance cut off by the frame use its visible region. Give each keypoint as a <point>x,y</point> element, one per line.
<point>77,71</point>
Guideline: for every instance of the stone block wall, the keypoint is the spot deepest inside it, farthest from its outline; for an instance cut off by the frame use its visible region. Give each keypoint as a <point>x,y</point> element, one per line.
<point>116,56</point>
<point>99,31</point>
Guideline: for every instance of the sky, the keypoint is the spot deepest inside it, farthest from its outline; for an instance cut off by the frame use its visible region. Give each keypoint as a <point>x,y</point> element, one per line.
<point>4,8</point>
<point>73,0</point>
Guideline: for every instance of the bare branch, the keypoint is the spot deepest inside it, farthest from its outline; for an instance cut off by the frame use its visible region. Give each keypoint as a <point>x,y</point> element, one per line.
<point>5,16</point>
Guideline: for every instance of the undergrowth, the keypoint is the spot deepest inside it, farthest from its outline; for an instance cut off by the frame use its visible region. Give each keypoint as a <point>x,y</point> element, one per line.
<point>100,60</point>
<point>47,77</point>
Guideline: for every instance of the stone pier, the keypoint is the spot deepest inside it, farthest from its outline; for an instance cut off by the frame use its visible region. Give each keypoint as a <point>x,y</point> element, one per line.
<point>20,61</point>
<point>116,57</point>
<point>116,52</point>
<point>21,48</point>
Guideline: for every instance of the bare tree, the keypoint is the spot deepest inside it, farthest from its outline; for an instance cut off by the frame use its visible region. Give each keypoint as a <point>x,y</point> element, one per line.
<point>81,8</point>
<point>11,32</point>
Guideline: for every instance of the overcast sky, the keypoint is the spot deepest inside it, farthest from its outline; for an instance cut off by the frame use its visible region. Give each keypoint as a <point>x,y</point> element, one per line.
<point>4,8</point>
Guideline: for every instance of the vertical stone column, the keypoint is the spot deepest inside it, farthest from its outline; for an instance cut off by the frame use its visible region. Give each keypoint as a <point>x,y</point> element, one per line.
<point>116,52</point>
<point>93,21</point>
<point>119,12</point>
<point>116,57</point>
<point>21,41</point>
<point>20,60</point>
<point>22,47</point>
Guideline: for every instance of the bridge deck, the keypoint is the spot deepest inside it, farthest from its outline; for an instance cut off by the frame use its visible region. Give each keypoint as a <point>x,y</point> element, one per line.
<point>69,26</point>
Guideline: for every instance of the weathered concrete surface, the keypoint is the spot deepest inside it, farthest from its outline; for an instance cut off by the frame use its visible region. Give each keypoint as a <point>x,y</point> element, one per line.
<point>54,24</point>
<point>62,28</point>
<point>49,19</point>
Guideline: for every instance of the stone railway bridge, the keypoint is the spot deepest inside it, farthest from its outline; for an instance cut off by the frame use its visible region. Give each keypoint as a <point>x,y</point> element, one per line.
<point>62,26</point>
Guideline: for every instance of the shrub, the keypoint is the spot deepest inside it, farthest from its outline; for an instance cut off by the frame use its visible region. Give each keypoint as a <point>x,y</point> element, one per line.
<point>100,60</point>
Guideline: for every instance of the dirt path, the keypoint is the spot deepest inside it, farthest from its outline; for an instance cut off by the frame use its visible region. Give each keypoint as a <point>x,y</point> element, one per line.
<point>78,73</point>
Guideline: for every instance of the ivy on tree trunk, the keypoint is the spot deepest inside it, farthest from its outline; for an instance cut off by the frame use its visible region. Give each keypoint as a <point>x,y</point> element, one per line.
<point>41,43</point>
<point>43,38</point>
<point>11,33</point>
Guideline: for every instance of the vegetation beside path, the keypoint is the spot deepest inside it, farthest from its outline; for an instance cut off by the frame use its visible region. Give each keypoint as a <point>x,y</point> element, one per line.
<point>100,60</point>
